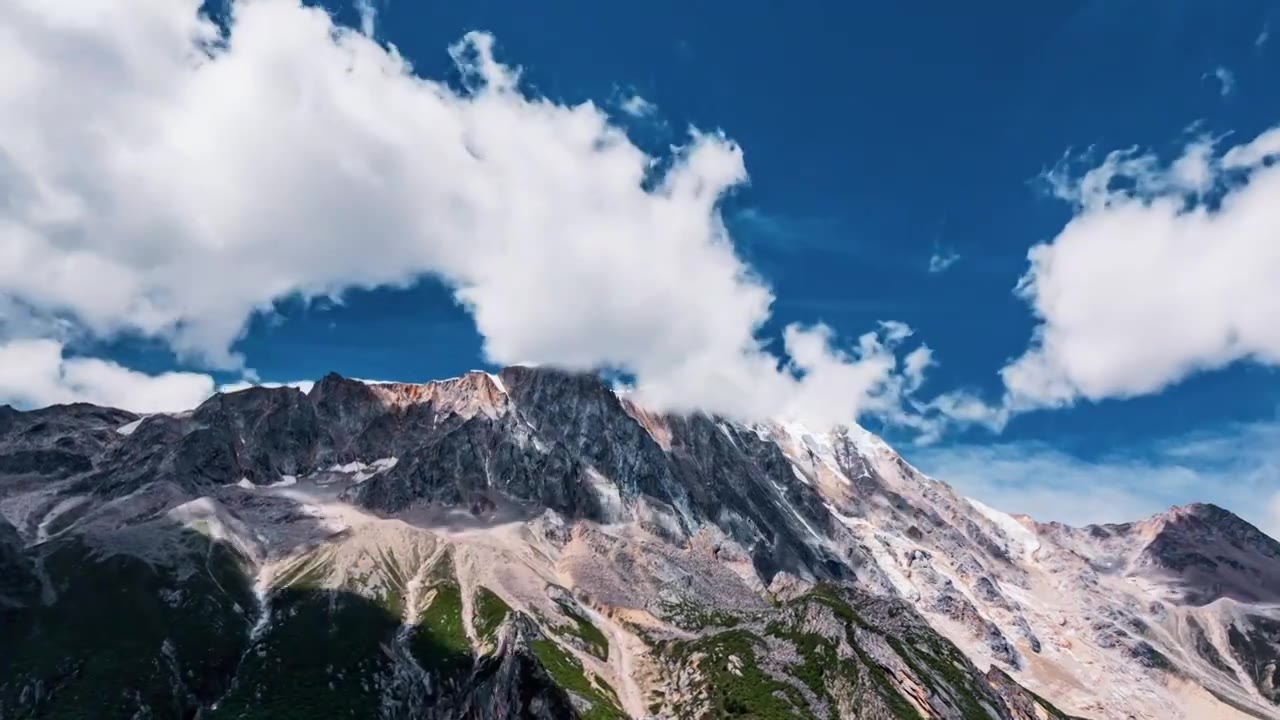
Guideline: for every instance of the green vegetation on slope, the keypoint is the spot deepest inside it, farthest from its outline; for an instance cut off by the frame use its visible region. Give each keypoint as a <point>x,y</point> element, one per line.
<point>439,641</point>
<point>830,597</point>
<point>124,634</point>
<point>488,612</point>
<point>735,686</point>
<point>739,680</point>
<point>567,672</point>
<point>818,657</point>
<point>691,616</point>
<point>584,630</point>
<point>321,656</point>
<point>937,662</point>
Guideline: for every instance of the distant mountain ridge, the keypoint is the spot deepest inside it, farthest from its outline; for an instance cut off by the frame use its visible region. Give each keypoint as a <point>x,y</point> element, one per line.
<point>531,544</point>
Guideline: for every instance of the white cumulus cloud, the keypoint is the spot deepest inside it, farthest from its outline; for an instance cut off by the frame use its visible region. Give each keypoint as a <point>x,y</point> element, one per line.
<point>35,373</point>
<point>1165,271</point>
<point>184,176</point>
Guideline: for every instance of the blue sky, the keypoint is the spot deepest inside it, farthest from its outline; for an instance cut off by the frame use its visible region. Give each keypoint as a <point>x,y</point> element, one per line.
<point>897,166</point>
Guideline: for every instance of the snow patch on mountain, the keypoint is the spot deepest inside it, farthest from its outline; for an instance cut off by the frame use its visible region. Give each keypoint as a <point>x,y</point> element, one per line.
<point>1024,539</point>
<point>128,428</point>
<point>363,471</point>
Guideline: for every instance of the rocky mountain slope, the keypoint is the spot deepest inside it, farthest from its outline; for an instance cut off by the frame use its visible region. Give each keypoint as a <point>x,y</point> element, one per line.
<point>532,545</point>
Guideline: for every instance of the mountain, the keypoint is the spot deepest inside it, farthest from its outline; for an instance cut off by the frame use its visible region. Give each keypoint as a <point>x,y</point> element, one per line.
<point>531,544</point>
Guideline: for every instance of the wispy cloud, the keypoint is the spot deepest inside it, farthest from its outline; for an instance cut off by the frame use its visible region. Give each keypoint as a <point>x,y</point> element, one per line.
<point>368,16</point>
<point>636,106</point>
<point>1263,36</point>
<point>1236,467</point>
<point>941,260</point>
<point>1226,80</point>
<point>791,233</point>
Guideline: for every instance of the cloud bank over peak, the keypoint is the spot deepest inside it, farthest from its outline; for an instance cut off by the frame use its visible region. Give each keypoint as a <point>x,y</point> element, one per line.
<point>198,173</point>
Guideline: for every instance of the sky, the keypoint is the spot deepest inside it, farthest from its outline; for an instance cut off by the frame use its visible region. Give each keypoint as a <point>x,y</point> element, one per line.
<point>1034,245</point>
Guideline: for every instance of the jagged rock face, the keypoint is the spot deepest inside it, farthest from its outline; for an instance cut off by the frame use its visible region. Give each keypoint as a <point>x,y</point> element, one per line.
<point>55,442</point>
<point>1255,643</point>
<point>512,682</point>
<point>1214,554</point>
<point>538,438</point>
<point>18,582</point>
<point>531,544</point>
<point>1023,704</point>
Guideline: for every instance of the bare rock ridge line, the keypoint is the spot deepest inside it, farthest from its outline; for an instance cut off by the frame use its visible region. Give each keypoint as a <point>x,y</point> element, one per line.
<point>530,544</point>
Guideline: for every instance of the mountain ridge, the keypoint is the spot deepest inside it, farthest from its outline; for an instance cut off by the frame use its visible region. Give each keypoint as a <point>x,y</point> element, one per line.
<point>534,479</point>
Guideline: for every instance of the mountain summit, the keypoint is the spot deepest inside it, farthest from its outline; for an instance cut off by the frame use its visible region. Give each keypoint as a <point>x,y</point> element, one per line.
<point>532,545</point>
